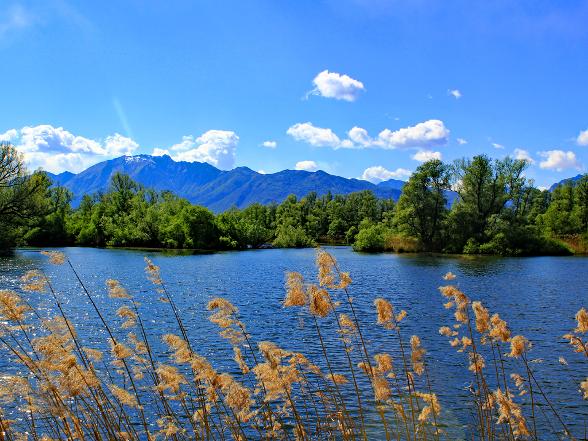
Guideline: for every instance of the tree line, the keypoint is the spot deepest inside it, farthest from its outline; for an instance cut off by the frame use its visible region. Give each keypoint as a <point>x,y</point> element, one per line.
<point>477,206</point>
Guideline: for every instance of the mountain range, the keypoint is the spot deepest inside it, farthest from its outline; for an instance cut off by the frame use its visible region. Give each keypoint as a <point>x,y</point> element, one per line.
<point>219,190</point>
<point>565,181</point>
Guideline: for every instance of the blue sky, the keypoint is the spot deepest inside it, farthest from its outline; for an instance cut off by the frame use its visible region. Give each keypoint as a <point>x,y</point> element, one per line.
<point>213,80</point>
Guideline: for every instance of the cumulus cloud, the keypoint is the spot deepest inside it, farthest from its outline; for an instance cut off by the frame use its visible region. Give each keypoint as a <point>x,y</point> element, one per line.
<point>310,166</point>
<point>333,85</point>
<point>523,155</point>
<point>497,146</point>
<point>427,134</point>
<point>360,137</point>
<point>9,135</point>
<point>217,147</point>
<point>315,136</point>
<point>558,160</point>
<point>454,93</point>
<point>378,174</point>
<point>160,152</point>
<point>270,144</point>
<point>55,149</point>
<point>426,155</point>
<point>461,141</point>
<point>582,138</point>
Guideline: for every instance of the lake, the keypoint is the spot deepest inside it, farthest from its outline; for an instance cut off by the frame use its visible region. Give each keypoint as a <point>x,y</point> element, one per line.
<point>538,297</point>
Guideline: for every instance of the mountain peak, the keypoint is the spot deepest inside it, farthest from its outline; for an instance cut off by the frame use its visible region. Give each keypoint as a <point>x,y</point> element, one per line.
<point>204,184</point>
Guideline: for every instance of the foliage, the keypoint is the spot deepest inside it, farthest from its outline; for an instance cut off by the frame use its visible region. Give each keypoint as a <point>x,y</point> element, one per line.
<point>370,237</point>
<point>24,198</point>
<point>422,207</point>
<point>495,209</point>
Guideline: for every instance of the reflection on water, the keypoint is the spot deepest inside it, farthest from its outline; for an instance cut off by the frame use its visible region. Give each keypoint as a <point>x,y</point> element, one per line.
<point>538,297</point>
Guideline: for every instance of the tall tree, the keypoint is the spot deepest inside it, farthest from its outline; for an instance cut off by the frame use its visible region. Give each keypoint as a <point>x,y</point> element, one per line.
<point>422,207</point>
<point>22,196</point>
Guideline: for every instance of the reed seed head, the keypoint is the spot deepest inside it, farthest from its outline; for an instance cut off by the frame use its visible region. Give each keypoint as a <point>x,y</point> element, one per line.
<point>384,363</point>
<point>55,257</point>
<point>417,355</point>
<point>116,290</point>
<point>295,294</point>
<point>499,330</point>
<point>34,281</point>
<point>240,360</point>
<point>326,265</point>
<point>129,316</point>
<point>12,307</point>
<point>482,317</point>
<point>320,301</point>
<point>385,312</point>
<point>153,272</point>
<point>449,276</point>
<point>584,388</point>
<point>518,346</point>
<point>582,319</point>
<point>510,412</point>
<point>123,396</point>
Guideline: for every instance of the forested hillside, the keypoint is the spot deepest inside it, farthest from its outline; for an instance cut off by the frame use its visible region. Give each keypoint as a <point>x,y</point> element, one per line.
<point>497,211</point>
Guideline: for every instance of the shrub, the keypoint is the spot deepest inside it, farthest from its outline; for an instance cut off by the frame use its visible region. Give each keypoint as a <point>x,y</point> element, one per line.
<point>370,238</point>
<point>292,237</point>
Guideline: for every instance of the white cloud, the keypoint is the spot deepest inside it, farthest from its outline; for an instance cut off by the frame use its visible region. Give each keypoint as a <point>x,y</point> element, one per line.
<point>310,166</point>
<point>426,155</point>
<point>558,160</point>
<point>461,141</point>
<point>270,144</point>
<point>315,136</point>
<point>523,155</point>
<point>217,147</point>
<point>160,152</point>
<point>360,137</point>
<point>497,146</point>
<point>378,174</point>
<point>427,134</point>
<point>55,149</point>
<point>262,172</point>
<point>118,145</point>
<point>583,138</point>
<point>9,135</point>
<point>337,86</point>
<point>455,93</point>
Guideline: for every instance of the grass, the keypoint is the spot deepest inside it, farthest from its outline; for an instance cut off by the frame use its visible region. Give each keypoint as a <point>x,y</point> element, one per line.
<point>63,388</point>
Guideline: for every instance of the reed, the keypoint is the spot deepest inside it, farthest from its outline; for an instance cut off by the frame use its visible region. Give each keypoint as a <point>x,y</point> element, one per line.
<point>62,387</point>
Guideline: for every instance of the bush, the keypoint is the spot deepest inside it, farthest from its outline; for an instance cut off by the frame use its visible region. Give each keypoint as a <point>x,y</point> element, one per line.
<point>402,244</point>
<point>370,238</point>
<point>471,247</point>
<point>292,237</point>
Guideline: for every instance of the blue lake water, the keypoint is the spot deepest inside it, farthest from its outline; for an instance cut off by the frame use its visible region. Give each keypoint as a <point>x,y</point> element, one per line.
<point>538,297</point>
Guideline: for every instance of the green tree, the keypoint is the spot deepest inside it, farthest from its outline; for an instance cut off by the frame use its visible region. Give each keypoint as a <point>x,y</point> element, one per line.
<point>52,228</point>
<point>422,207</point>
<point>200,228</point>
<point>371,237</point>
<point>561,217</point>
<point>23,197</point>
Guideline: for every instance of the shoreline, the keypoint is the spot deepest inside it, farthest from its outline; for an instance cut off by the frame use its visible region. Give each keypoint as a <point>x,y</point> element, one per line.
<point>196,251</point>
